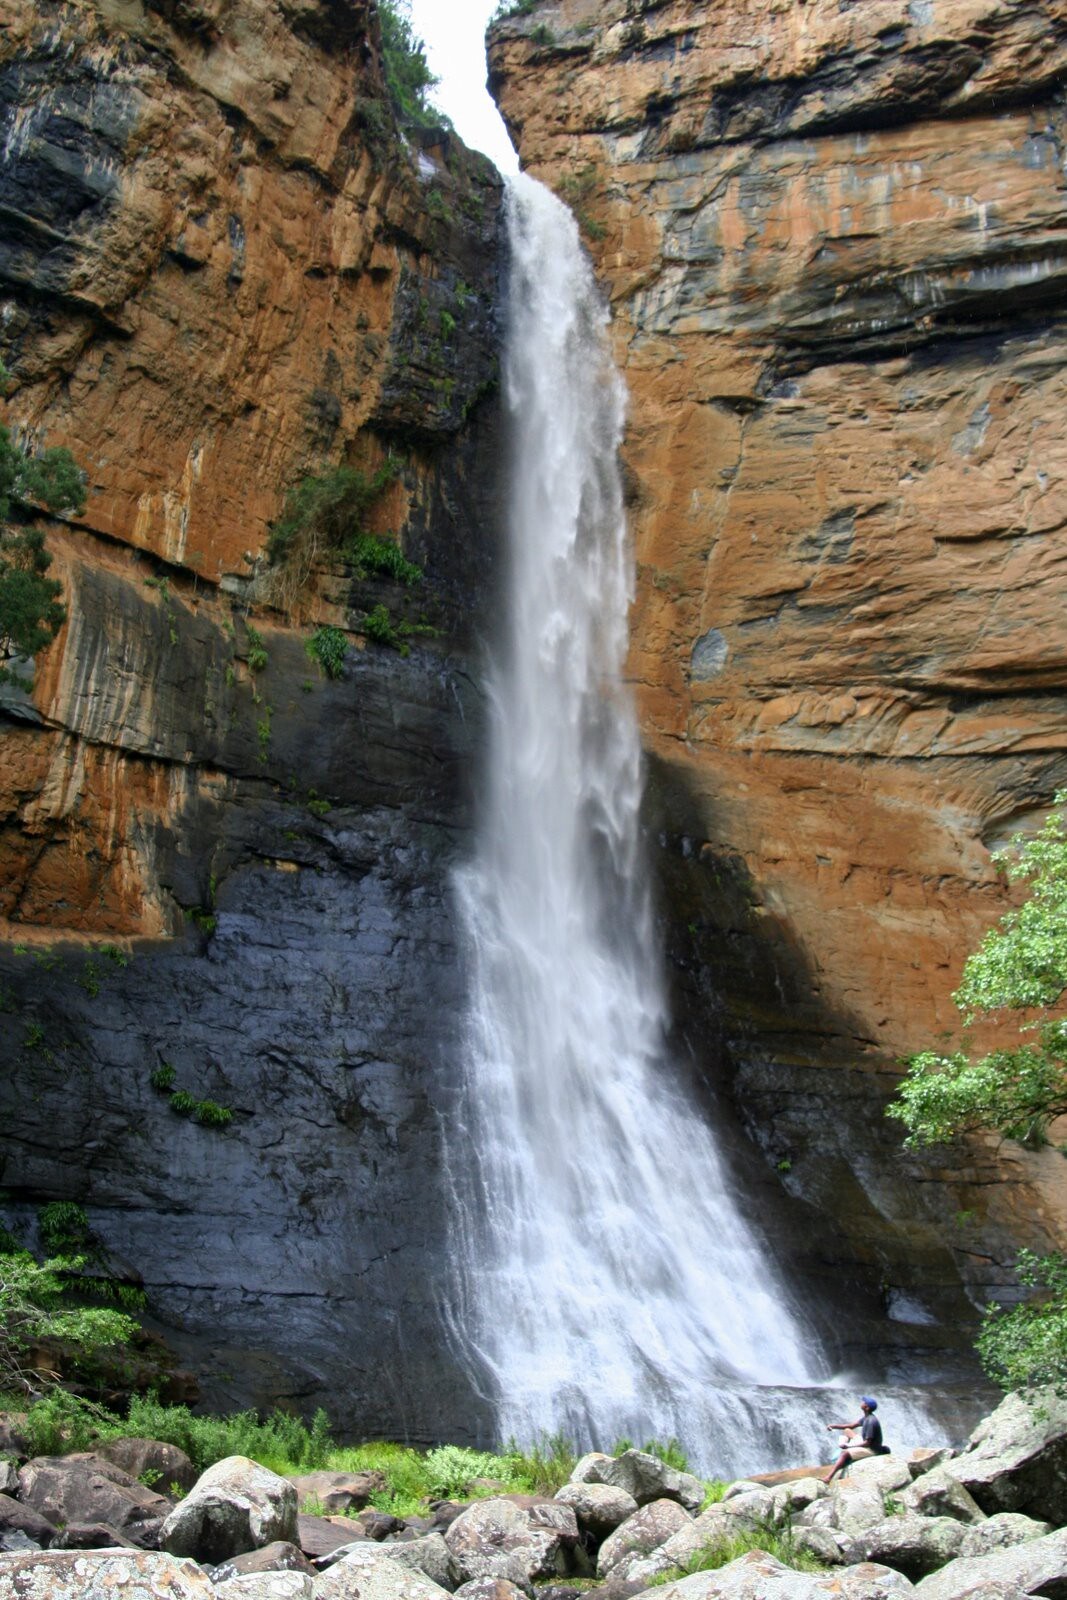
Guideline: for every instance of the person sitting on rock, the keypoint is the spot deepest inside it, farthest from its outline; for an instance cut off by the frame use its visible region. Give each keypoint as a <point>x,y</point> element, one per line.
<point>870,1442</point>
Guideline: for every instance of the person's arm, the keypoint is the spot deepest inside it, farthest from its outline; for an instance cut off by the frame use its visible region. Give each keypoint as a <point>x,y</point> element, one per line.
<point>830,1426</point>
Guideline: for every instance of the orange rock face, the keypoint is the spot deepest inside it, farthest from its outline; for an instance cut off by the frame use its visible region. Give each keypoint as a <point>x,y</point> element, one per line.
<point>834,241</point>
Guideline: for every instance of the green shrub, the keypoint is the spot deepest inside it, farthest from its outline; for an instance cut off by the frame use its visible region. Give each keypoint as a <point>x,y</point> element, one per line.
<point>328,646</point>
<point>381,557</point>
<point>380,628</point>
<point>451,1468</point>
<point>546,1465</point>
<point>212,1115</point>
<point>38,1306</point>
<point>64,1228</point>
<point>257,650</point>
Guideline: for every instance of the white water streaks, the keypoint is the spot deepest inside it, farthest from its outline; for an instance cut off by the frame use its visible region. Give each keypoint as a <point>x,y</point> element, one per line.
<point>609,1283</point>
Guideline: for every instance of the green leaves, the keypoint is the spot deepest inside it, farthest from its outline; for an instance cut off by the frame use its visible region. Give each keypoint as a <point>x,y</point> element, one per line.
<point>1021,965</point>
<point>30,612</point>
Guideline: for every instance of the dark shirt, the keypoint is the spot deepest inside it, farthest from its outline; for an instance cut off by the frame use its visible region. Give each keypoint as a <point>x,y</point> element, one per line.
<point>871,1433</point>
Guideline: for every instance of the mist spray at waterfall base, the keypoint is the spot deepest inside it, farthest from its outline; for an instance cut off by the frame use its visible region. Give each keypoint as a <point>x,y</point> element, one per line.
<point>608,1283</point>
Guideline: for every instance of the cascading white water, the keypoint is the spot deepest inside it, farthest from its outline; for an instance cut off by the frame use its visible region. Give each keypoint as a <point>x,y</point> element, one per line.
<point>609,1283</point>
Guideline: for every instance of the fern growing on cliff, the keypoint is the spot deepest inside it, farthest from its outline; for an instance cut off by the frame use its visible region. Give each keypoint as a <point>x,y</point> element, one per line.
<point>322,516</point>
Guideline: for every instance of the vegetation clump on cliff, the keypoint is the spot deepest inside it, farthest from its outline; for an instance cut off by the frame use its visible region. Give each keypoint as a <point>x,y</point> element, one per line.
<point>30,611</point>
<point>1021,966</point>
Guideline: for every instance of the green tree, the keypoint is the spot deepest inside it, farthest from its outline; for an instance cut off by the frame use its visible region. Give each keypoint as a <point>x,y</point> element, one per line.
<point>36,1311</point>
<point>30,611</point>
<point>1016,1091</point>
<point>1021,966</point>
<point>407,73</point>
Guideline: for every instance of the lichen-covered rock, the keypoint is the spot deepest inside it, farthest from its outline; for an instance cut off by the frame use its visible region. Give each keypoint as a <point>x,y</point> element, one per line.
<point>429,1555</point>
<point>1039,1566</point>
<point>758,1576</point>
<point>599,1507</point>
<point>1000,1532</point>
<point>884,1474</point>
<point>267,1586</point>
<point>939,1494</point>
<point>643,1476</point>
<point>489,1589</point>
<point>234,1507</point>
<point>1016,1459</point>
<point>496,1539</point>
<point>366,1573</point>
<point>913,1544</point>
<point>649,1528</point>
<point>102,1575</point>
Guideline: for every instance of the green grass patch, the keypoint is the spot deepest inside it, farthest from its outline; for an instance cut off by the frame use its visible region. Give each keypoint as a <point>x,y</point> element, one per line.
<point>720,1552</point>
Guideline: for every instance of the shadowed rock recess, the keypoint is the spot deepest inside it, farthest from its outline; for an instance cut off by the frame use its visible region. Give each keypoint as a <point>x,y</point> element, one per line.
<point>833,238</point>
<point>222,269</point>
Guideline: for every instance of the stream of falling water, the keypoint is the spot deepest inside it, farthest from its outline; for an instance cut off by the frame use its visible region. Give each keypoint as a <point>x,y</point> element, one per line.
<point>609,1284</point>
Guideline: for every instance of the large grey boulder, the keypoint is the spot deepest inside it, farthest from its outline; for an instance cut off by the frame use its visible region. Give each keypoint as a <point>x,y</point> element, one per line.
<point>822,1543</point>
<point>712,1527</point>
<point>235,1506</point>
<point>9,1475</point>
<point>910,1543</point>
<point>1000,1532</point>
<point>938,1494</point>
<point>1016,1459</point>
<point>88,1488</point>
<point>755,1509</point>
<point>497,1539</point>
<point>102,1575</point>
<point>649,1527</point>
<point>366,1573</point>
<point>1037,1567</point>
<point>634,1574</point>
<point>643,1476</point>
<point>924,1458</point>
<point>599,1507</point>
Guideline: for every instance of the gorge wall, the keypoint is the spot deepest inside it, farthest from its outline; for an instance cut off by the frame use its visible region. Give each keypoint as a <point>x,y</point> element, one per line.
<point>223,272</point>
<point>833,236</point>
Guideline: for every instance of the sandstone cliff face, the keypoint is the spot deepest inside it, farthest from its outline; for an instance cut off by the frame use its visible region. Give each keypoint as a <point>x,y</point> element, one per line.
<point>222,270</point>
<point>834,240</point>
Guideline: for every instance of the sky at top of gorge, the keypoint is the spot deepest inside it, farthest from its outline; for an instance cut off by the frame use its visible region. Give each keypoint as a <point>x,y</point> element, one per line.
<point>453,32</point>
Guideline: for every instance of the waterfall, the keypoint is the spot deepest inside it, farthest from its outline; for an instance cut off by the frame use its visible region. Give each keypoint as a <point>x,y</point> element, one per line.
<point>609,1283</point>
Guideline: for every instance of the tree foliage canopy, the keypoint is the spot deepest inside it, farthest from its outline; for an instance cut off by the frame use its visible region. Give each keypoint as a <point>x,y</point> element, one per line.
<point>407,72</point>
<point>1021,966</point>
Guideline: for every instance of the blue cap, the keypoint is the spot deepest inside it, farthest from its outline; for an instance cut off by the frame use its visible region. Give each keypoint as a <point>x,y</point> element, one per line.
<point>865,1400</point>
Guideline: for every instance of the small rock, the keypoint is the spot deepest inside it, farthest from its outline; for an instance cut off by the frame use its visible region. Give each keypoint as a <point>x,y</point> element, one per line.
<point>91,1536</point>
<point>9,1476</point>
<point>325,1536</point>
<point>279,1556</point>
<point>339,1491</point>
<point>494,1589</point>
<point>924,1459</point>
<point>12,1540</point>
<point>377,1525</point>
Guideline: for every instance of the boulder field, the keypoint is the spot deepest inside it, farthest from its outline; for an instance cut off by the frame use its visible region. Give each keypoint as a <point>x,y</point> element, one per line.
<point>988,1520</point>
